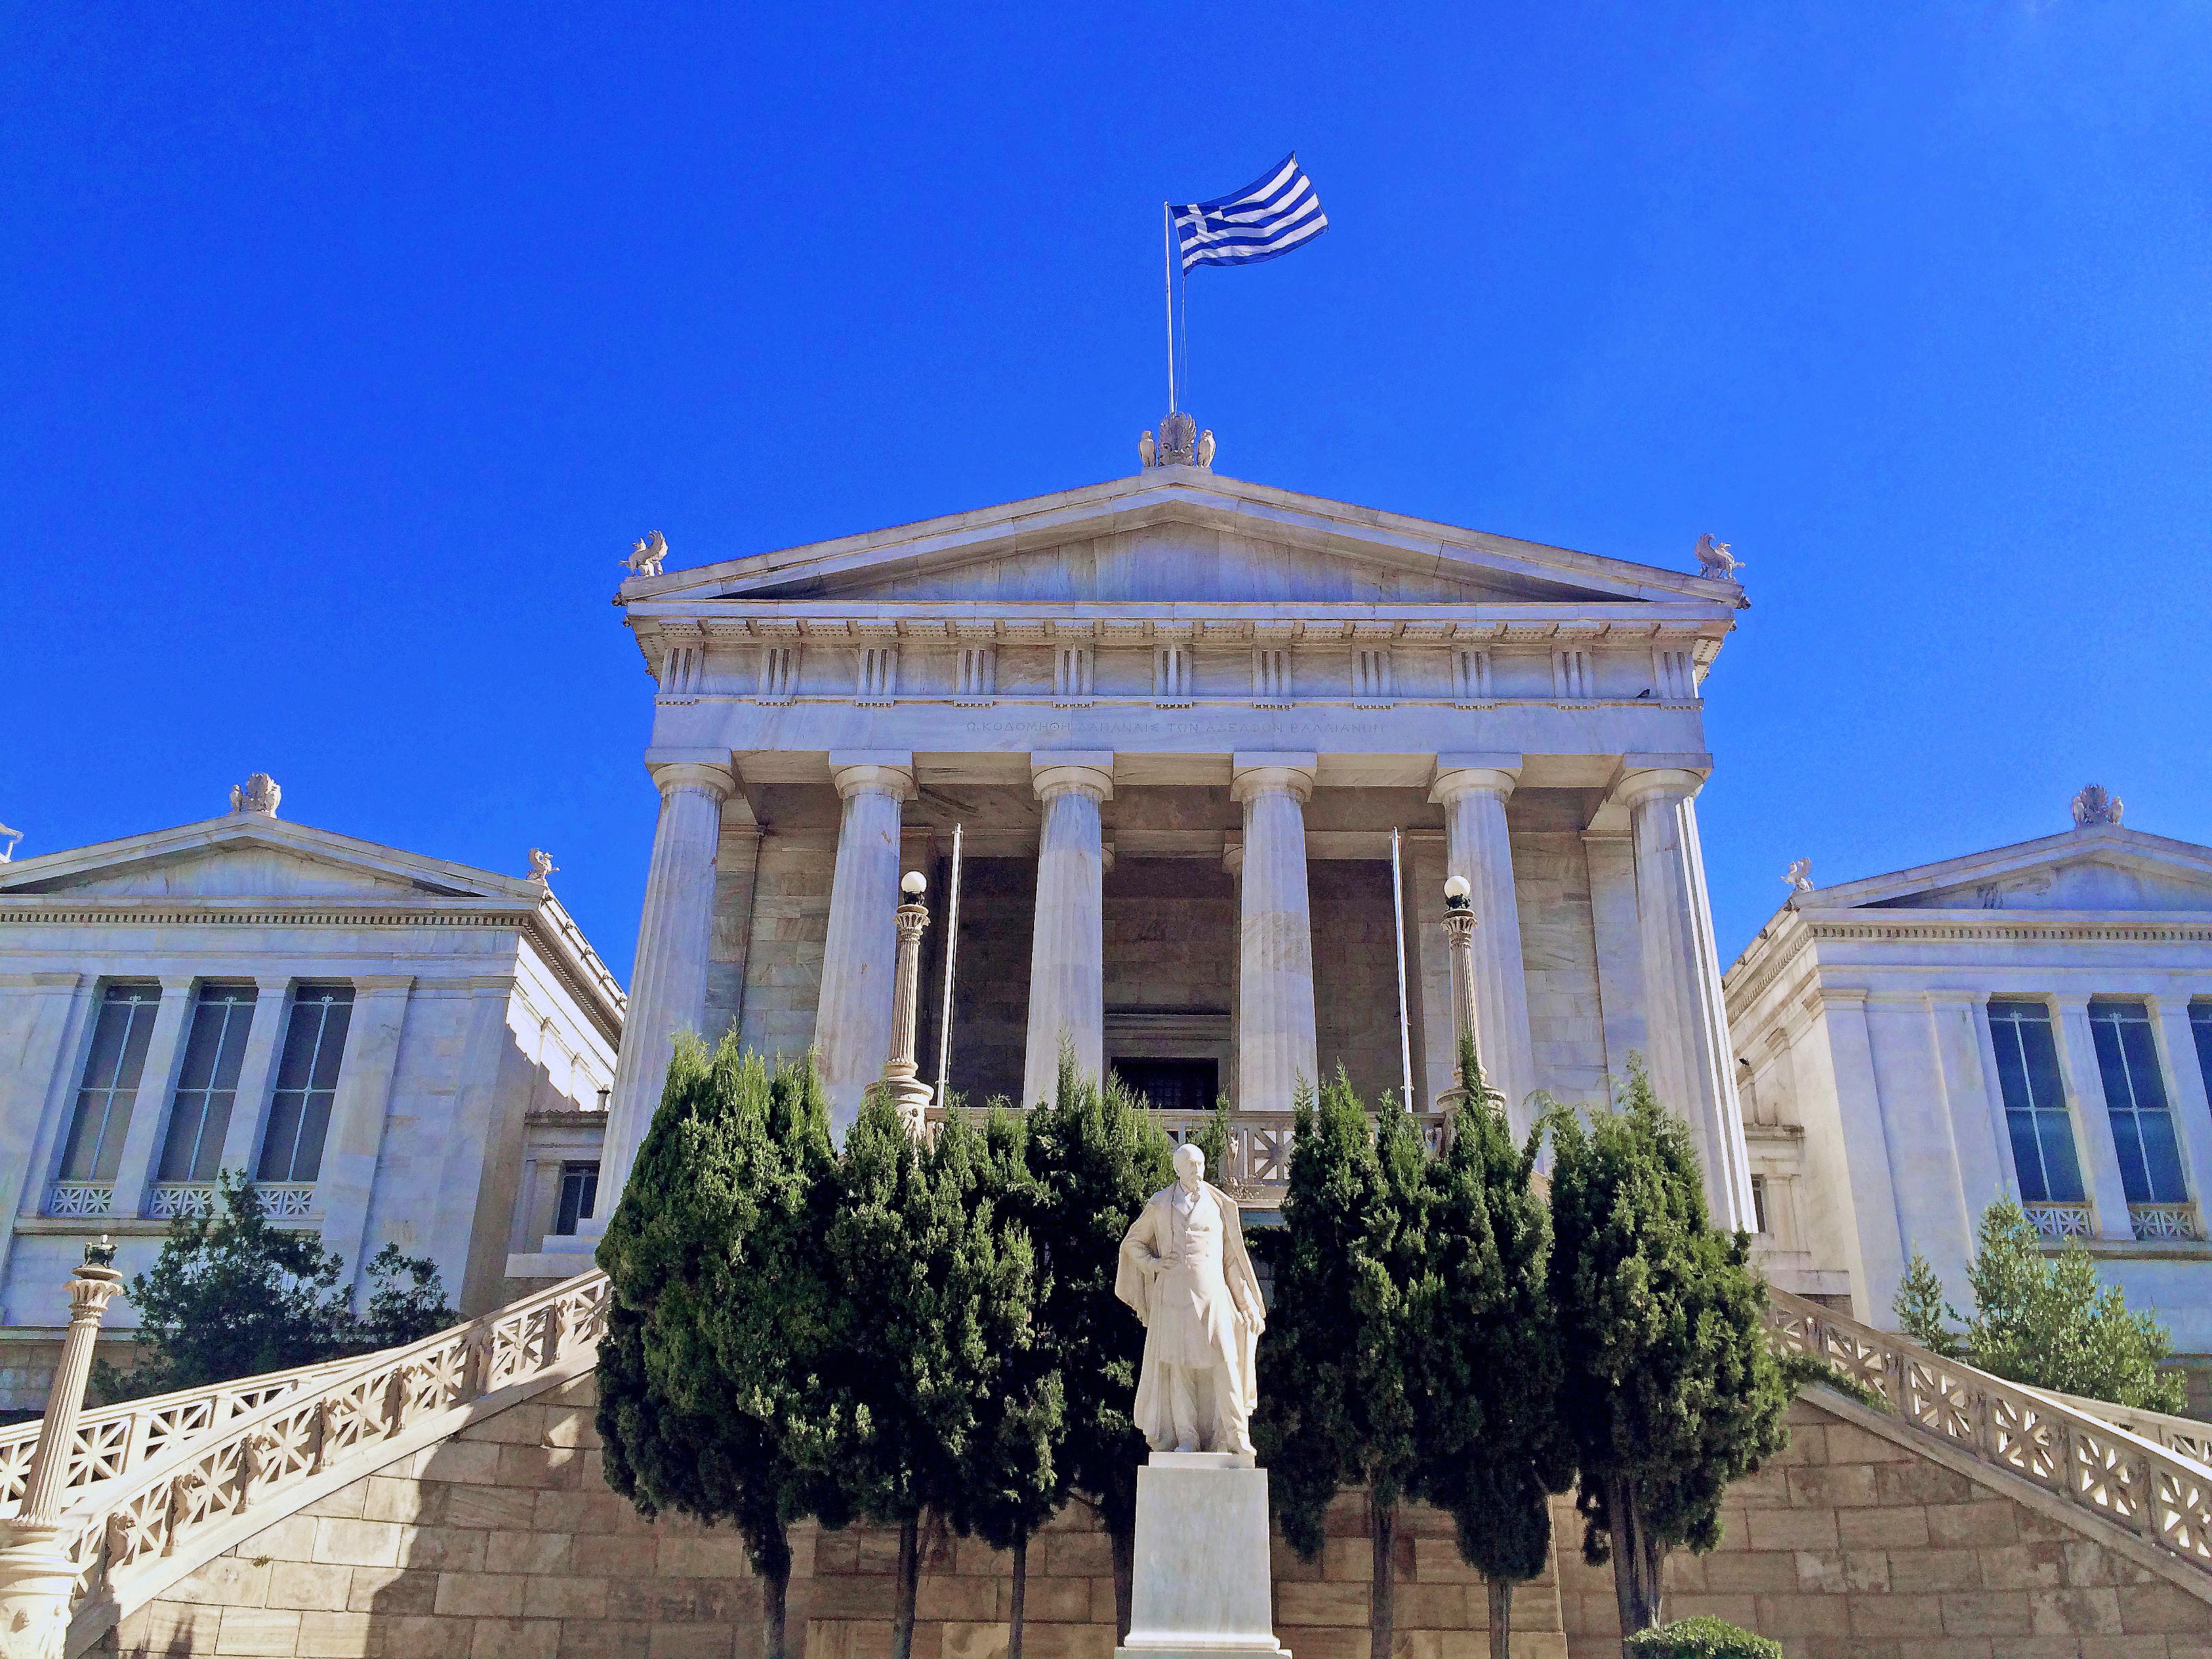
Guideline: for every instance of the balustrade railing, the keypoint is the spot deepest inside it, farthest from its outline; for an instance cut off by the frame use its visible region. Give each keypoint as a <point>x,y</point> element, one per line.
<point>2175,1222</point>
<point>2084,1451</point>
<point>2061,1221</point>
<point>332,1418</point>
<point>1260,1143</point>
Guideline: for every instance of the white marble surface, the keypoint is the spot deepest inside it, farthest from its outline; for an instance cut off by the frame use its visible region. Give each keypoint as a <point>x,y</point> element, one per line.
<point>1202,1581</point>
<point>1067,972</point>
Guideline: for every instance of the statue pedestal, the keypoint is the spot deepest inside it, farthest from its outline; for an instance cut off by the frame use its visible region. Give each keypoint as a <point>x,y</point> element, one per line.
<point>1202,1584</point>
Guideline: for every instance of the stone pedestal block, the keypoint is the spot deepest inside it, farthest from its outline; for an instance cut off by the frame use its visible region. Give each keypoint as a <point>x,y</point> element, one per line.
<point>1202,1582</point>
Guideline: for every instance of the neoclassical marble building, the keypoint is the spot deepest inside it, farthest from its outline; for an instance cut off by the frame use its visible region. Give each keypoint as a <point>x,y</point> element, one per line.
<point>1179,726</point>
<point>400,1049</point>
<point>2034,1023</point>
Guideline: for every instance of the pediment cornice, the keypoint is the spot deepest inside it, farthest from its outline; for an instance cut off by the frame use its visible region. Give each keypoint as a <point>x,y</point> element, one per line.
<point>1202,498</point>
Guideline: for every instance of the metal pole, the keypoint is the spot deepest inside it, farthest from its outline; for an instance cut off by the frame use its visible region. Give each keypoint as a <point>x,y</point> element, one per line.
<point>1398,918</point>
<point>951,944</point>
<point>1167,251</point>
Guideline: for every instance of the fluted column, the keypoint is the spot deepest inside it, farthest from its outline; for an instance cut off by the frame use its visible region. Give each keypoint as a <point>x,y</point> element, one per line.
<point>853,1020</point>
<point>1067,951</point>
<point>1275,1043</point>
<point>1473,789</point>
<point>901,1077</point>
<point>35,1575</point>
<point>1686,1021</point>
<point>668,983</point>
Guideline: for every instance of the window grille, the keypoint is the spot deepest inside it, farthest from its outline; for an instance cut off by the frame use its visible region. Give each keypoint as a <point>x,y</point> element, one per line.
<point>307,1082</point>
<point>207,1085</point>
<point>110,1086</point>
<point>2134,1094</point>
<point>2044,1156</point>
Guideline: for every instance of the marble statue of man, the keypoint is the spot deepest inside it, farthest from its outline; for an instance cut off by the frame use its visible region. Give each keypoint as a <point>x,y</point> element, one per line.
<point>1184,1270</point>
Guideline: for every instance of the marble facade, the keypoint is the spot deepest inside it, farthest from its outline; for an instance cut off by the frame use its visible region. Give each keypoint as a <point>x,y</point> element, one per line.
<point>1866,1019</point>
<point>478,1044</point>
<point>1176,719</point>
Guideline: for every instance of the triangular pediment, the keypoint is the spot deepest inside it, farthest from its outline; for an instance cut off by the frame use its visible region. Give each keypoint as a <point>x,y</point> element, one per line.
<point>2101,867</point>
<point>1180,535</point>
<point>246,857</point>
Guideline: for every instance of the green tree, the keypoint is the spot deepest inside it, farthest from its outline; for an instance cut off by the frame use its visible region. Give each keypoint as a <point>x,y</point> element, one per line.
<point>931,1317</point>
<point>1339,1407</point>
<point>1700,1639</point>
<point>717,1319</point>
<point>1668,1385</point>
<point>2042,1319</point>
<point>1492,1447</point>
<point>232,1295</point>
<point>1012,1478</point>
<point>1096,1157</point>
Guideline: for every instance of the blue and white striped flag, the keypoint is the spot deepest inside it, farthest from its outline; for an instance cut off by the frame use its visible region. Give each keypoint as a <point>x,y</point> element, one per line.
<point>1268,218</point>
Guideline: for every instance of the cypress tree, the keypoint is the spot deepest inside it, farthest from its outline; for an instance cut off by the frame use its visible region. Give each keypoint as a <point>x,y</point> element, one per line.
<point>932,1322</point>
<point>1096,1157</point>
<point>1493,1449</point>
<point>1340,1408</point>
<point>718,1310</point>
<point>1667,1387</point>
<point>1013,1477</point>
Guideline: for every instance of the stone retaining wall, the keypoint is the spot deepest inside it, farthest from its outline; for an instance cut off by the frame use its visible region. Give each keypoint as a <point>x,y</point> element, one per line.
<point>504,1543</point>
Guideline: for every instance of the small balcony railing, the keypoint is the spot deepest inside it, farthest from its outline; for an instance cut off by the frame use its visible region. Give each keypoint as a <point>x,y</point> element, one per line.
<point>2059,1222</point>
<point>81,1198</point>
<point>2166,1221</point>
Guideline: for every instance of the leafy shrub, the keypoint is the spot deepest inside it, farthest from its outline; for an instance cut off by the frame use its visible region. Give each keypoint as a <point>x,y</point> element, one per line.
<point>1699,1639</point>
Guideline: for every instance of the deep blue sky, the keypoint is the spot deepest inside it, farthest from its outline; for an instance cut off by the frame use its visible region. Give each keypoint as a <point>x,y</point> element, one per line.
<point>346,350</point>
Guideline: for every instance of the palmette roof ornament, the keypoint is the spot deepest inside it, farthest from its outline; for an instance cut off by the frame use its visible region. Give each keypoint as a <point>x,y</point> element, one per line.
<point>2092,805</point>
<point>259,793</point>
<point>1181,444</point>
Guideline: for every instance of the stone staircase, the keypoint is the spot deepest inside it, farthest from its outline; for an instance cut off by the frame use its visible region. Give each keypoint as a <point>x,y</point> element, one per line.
<point>162,1487</point>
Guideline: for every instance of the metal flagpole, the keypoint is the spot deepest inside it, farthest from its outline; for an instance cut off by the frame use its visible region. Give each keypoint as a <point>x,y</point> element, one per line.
<point>1167,250</point>
<point>1398,917</point>
<point>952,945</point>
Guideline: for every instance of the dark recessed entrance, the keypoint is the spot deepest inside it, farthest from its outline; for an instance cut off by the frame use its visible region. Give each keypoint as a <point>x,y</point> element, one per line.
<point>1172,1086</point>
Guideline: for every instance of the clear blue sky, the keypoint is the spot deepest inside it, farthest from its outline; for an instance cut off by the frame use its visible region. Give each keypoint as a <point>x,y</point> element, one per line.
<point>346,350</point>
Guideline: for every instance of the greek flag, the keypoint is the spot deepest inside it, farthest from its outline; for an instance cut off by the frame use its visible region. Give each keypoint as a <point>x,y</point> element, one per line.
<point>1268,218</point>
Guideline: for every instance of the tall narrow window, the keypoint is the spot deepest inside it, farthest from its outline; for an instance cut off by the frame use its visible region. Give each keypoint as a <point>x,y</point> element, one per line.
<point>111,1081</point>
<point>207,1086</point>
<point>580,1190</point>
<point>307,1081</point>
<point>2134,1094</point>
<point>2042,1131</point>
<point>2200,1027</point>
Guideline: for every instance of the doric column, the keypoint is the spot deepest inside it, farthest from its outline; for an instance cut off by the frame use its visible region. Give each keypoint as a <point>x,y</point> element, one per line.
<point>1473,790</point>
<point>36,1575</point>
<point>901,1077</point>
<point>357,1114</point>
<point>1958,1027</point>
<point>1275,1042</point>
<point>852,1019</point>
<point>149,1107</point>
<point>1686,1020</point>
<point>1067,951</point>
<point>2092,1117</point>
<point>668,982</point>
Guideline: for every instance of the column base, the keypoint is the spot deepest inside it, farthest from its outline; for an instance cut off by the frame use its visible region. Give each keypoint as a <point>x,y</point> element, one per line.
<point>35,1581</point>
<point>1203,1575</point>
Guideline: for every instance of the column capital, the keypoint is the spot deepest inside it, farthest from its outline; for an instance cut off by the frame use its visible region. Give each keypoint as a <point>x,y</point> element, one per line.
<point>716,778</point>
<point>1487,775</point>
<point>1090,771</point>
<point>1255,772</point>
<point>1640,776</point>
<point>385,983</point>
<point>2069,1002</point>
<point>872,772</point>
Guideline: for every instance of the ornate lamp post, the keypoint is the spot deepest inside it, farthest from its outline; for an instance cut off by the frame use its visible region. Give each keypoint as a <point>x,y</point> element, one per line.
<point>1459,930</point>
<point>36,1574</point>
<point>908,1091</point>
